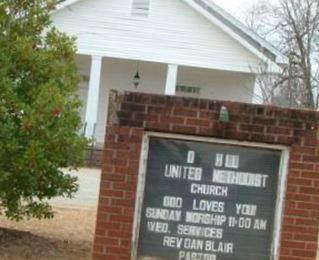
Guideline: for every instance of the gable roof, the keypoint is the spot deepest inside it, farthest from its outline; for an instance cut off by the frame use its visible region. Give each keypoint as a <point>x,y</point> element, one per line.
<point>230,25</point>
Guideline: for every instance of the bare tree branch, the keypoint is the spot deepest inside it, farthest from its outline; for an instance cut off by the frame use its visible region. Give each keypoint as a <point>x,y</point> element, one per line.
<point>293,27</point>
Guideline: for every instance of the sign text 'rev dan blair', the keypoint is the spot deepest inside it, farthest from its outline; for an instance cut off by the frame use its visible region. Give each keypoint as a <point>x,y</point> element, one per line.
<point>207,201</point>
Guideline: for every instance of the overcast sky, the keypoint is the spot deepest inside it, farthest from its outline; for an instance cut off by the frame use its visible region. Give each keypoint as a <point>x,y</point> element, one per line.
<point>235,7</point>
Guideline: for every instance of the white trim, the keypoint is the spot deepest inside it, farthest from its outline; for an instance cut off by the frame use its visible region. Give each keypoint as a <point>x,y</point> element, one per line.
<point>281,192</point>
<point>139,195</point>
<point>119,55</point>
<point>218,141</point>
<point>282,180</point>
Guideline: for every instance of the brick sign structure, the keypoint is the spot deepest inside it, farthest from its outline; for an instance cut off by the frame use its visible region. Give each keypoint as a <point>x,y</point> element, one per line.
<point>177,183</point>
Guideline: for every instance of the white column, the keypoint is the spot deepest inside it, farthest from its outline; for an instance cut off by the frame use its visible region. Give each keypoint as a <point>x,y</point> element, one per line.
<point>93,96</point>
<point>170,88</point>
<point>257,93</point>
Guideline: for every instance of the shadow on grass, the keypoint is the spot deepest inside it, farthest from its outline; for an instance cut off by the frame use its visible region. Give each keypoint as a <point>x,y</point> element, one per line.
<point>15,244</point>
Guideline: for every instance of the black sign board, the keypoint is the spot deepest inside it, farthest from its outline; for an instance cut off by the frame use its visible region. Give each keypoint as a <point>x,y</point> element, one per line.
<point>208,201</point>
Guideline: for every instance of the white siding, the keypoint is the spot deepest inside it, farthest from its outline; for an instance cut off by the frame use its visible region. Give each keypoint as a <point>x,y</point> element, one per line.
<point>118,74</point>
<point>172,33</point>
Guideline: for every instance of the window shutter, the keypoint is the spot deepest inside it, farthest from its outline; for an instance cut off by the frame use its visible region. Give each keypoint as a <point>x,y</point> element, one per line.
<point>140,7</point>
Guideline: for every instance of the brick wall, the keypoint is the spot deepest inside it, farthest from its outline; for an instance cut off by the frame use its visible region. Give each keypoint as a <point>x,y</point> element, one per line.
<point>133,113</point>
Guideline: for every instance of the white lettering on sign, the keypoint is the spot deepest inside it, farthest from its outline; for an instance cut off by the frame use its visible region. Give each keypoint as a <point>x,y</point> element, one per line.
<point>219,247</point>
<point>193,244</point>
<point>205,218</point>
<point>242,222</point>
<point>197,231</point>
<point>184,255</point>
<point>163,214</point>
<point>232,222</point>
<point>239,178</point>
<point>172,202</point>
<point>183,172</point>
<point>174,242</point>
<point>157,227</point>
<point>260,224</point>
<point>213,190</point>
<point>191,157</point>
<point>185,243</point>
<point>232,161</point>
<point>208,205</point>
<point>246,210</point>
<point>219,160</point>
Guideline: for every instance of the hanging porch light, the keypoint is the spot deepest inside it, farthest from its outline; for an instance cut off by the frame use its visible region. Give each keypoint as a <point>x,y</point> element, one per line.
<point>137,77</point>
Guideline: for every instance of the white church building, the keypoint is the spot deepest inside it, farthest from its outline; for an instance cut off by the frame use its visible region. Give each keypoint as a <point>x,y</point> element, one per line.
<point>173,47</point>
